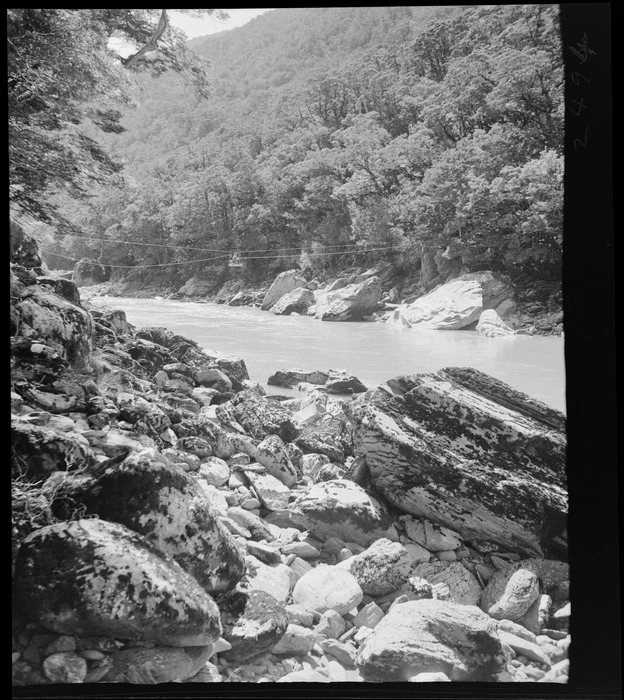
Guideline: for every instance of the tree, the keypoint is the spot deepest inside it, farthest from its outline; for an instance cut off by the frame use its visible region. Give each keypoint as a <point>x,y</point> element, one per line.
<point>62,74</point>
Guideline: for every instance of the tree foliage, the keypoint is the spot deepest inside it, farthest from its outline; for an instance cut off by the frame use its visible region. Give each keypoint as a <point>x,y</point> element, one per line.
<point>61,75</point>
<point>394,130</point>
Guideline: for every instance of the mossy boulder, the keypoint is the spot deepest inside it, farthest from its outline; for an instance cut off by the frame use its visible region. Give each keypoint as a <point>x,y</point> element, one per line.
<point>167,506</point>
<point>91,577</point>
<point>470,453</point>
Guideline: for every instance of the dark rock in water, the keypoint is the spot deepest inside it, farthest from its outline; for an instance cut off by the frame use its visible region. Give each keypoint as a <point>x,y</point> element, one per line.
<point>252,623</point>
<point>95,578</point>
<point>432,636</point>
<point>289,378</point>
<point>241,299</point>
<point>341,382</point>
<point>258,416</point>
<point>167,506</point>
<point>468,453</point>
<point>37,451</point>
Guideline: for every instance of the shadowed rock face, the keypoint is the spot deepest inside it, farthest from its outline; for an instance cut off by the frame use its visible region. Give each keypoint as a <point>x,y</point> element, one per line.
<point>92,577</point>
<point>470,453</point>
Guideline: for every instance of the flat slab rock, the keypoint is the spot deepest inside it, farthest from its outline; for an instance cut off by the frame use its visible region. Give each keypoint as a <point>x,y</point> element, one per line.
<point>466,451</point>
<point>432,636</point>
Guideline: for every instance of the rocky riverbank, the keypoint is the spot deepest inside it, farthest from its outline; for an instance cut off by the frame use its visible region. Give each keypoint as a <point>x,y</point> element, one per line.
<point>382,294</point>
<point>172,523</point>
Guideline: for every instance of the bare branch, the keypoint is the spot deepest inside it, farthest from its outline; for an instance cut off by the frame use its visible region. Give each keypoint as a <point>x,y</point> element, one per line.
<point>152,43</point>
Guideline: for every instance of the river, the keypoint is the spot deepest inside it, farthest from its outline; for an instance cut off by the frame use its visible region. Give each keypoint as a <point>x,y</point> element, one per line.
<point>373,352</point>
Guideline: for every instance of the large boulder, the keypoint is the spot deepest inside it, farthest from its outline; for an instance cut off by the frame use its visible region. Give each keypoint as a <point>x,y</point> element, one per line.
<point>285,282</point>
<point>470,453</point>
<point>491,325</point>
<point>351,303</point>
<point>91,578</point>
<point>289,378</point>
<point>456,304</point>
<point>165,505</point>
<point>341,508</point>
<point>432,636</point>
<point>381,568</point>
<point>297,301</point>
<point>65,327</point>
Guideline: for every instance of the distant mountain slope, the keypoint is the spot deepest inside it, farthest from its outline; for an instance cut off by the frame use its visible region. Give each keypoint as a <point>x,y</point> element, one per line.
<point>392,133</point>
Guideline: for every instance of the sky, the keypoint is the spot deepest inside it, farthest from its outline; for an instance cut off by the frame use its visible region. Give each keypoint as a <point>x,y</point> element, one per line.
<point>200,26</point>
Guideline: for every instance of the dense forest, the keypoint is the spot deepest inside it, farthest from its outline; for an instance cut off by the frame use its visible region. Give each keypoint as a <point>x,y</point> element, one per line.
<point>336,136</point>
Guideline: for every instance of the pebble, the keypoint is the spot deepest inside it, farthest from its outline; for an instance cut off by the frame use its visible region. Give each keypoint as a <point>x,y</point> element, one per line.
<point>344,554</point>
<point>446,555</point>
<point>534,673</point>
<point>92,655</point>
<point>65,667</point>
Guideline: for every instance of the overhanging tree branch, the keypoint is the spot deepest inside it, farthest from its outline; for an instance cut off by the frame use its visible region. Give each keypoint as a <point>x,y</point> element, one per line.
<point>152,43</point>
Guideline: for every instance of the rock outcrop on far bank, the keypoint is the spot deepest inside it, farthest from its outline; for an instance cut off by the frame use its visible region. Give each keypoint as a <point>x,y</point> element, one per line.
<point>173,523</point>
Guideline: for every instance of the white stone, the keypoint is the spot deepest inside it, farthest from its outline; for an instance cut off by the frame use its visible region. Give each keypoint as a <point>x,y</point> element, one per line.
<point>214,470</point>
<point>327,588</point>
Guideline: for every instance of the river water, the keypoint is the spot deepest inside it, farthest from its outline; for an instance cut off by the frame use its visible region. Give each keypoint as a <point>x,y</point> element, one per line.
<point>373,352</point>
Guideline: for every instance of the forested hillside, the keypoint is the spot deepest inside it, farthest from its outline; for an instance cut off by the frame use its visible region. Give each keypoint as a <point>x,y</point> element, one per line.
<point>335,136</point>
